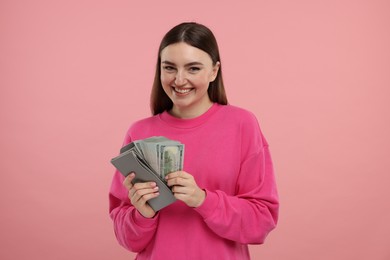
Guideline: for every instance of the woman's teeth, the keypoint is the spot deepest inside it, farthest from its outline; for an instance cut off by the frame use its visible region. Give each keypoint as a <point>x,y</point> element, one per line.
<point>182,91</point>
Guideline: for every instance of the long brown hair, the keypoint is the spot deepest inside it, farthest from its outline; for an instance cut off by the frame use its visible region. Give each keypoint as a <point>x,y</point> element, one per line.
<point>201,37</point>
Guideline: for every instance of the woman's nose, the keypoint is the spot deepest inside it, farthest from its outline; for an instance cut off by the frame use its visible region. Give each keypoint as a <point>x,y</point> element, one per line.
<point>180,78</point>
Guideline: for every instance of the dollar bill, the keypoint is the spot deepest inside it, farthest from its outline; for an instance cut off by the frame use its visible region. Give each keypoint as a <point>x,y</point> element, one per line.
<point>160,154</point>
<point>171,158</point>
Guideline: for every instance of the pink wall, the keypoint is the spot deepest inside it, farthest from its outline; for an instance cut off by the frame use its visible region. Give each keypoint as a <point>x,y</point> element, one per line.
<point>75,74</point>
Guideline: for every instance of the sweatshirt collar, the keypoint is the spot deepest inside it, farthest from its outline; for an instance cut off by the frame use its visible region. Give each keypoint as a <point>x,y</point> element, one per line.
<point>189,122</point>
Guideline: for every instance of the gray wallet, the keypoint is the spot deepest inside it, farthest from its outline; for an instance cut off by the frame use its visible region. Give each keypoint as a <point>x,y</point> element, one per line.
<point>128,162</point>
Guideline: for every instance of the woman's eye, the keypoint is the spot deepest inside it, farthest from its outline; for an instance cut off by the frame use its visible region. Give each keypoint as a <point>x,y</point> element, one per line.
<point>169,68</point>
<point>194,69</point>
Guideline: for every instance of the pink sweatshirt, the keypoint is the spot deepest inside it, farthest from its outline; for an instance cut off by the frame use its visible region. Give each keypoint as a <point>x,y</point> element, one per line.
<point>228,156</point>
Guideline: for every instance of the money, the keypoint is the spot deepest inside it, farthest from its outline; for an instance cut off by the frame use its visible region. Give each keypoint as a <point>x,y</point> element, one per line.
<point>170,158</point>
<point>160,154</point>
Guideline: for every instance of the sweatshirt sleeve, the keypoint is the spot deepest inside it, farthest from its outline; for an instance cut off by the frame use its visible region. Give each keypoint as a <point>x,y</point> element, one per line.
<point>249,215</point>
<point>132,230</point>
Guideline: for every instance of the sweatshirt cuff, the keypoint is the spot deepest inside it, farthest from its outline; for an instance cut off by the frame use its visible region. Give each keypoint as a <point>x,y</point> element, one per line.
<point>209,204</point>
<point>143,222</point>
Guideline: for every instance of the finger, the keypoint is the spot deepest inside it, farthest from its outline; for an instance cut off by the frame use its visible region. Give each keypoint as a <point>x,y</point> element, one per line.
<point>127,181</point>
<point>179,175</point>
<point>173,181</point>
<point>142,186</point>
<point>142,202</point>
<point>143,195</point>
<point>179,189</point>
<point>183,186</point>
<point>177,181</point>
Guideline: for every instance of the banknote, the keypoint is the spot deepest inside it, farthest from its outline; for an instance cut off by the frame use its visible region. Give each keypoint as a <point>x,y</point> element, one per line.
<point>171,158</point>
<point>160,154</point>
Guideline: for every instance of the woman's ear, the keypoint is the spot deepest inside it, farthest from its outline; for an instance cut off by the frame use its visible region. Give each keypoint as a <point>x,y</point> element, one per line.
<point>215,71</point>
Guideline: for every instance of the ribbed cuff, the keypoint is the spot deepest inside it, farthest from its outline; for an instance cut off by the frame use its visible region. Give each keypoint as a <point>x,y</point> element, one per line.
<point>143,222</point>
<point>209,204</point>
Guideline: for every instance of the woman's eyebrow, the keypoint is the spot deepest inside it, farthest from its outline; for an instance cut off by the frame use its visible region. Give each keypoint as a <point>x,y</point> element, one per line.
<point>167,62</point>
<point>194,63</point>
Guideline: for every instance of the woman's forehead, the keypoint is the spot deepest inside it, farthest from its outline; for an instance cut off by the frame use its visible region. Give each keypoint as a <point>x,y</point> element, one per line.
<point>184,53</point>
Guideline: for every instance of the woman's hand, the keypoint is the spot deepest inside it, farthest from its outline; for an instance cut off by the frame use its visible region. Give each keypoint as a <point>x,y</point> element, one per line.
<point>140,193</point>
<point>184,188</point>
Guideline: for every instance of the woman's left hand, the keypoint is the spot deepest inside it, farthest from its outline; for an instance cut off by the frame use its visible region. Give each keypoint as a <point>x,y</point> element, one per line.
<point>184,188</point>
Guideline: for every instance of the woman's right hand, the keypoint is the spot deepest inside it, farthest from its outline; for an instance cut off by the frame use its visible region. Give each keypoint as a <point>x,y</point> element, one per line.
<point>140,193</point>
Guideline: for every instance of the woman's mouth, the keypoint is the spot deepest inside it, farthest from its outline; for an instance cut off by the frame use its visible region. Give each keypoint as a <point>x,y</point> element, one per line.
<point>182,90</point>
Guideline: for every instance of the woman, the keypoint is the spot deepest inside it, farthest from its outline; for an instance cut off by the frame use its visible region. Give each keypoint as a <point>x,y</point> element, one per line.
<point>226,195</point>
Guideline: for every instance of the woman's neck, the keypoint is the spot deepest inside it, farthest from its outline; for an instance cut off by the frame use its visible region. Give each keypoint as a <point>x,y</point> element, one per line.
<point>187,112</point>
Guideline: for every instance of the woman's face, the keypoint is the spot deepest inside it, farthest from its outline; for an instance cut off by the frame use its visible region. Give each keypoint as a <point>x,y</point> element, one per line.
<point>186,72</point>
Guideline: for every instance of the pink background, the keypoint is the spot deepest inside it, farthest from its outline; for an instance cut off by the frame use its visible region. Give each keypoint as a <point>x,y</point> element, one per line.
<point>75,74</point>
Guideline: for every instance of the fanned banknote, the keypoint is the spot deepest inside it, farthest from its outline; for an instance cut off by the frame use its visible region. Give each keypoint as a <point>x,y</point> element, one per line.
<point>159,153</point>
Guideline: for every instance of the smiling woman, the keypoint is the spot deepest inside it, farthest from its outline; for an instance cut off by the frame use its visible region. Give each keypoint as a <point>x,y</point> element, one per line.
<point>185,76</point>
<point>226,195</point>
<point>197,49</point>
<point>74,74</point>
